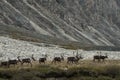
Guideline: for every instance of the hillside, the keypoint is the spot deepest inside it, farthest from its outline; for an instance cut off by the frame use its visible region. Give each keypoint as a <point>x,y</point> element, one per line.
<point>84,22</point>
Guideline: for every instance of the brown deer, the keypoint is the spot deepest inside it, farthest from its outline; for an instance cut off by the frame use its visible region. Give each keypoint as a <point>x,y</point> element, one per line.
<point>74,59</point>
<point>26,60</point>
<point>12,62</point>
<point>43,60</point>
<point>4,63</point>
<point>58,59</point>
<point>100,57</point>
<point>9,62</point>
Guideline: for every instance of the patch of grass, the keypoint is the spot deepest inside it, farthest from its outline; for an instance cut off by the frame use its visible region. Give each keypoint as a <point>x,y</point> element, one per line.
<point>74,72</point>
<point>91,78</point>
<point>112,71</point>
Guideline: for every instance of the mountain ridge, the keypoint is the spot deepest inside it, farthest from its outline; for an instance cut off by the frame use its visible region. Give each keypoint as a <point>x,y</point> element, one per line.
<point>93,22</point>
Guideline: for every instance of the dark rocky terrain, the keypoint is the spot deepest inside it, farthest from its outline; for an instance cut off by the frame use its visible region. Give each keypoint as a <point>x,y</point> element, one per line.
<point>87,22</point>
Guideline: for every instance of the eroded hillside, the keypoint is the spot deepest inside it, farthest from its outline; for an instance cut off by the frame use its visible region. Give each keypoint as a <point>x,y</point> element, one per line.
<point>93,22</point>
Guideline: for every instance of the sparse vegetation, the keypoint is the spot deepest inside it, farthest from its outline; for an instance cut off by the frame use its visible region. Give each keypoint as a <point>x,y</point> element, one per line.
<point>81,71</point>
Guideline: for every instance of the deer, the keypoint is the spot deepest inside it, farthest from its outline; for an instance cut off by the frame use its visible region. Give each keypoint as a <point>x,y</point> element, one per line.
<point>9,62</point>
<point>43,60</point>
<point>74,59</point>
<point>4,63</point>
<point>12,62</point>
<point>26,60</point>
<point>100,57</point>
<point>58,59</point>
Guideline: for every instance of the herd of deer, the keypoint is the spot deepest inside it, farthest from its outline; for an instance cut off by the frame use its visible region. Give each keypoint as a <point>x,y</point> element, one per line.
<point>74,59</point>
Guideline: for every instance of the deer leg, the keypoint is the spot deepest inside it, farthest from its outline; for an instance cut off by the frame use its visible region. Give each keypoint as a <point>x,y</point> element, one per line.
<point>59,61</point>
<point>53,62</point>
<point>94,60</point>
<point>22,63</point>
<point>28,63</point>
<point>56,62</point>
<point>75,62</point>
<point>103,60</point>
<point>31,64</point>
<point>8,65</point>
<point>72,61</point>
<point>67,61</point>
<point>98,60</point>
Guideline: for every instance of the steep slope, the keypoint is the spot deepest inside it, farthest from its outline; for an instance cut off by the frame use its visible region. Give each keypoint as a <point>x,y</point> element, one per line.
<point>91,22</point>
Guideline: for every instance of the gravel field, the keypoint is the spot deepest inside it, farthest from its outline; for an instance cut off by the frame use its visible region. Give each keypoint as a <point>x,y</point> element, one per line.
<point>11,49</point>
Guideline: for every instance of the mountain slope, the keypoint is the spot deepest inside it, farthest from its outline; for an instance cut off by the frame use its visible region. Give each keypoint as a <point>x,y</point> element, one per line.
<point>91,22</point>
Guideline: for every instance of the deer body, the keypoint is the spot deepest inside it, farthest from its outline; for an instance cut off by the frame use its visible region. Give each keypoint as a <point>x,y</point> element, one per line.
<point>12,62</point>
<point>42,60</point>
<point>73,59</point>
<point>4,63</point>
<point>99,57</point>
<point>58,59</point>
<point>25,60</point>
<point>9,62</point>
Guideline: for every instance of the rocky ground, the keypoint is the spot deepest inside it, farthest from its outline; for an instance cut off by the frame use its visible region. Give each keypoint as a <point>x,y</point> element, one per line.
<point>11,48</point>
